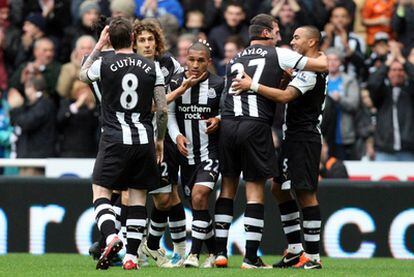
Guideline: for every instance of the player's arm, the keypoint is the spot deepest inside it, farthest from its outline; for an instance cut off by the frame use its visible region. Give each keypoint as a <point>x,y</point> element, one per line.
<point>186,84</point>
<point>160,101</point>
<point>289,59</point>
<point>302,83</point>
<point>174,131</point>
<point>90,70</point>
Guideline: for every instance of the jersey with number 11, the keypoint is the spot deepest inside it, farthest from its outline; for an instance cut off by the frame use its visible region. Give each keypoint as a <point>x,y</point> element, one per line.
<point>128,82</point>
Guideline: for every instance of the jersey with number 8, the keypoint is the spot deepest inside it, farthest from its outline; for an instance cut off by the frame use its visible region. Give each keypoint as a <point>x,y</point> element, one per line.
<point>128,82</point>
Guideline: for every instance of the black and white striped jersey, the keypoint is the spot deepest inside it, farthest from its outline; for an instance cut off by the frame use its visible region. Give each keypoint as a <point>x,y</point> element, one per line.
<point>303,115</point>
<point>265,64</point>
<point>169,67</point>
<point>128,82</point>
<point>187,115</point>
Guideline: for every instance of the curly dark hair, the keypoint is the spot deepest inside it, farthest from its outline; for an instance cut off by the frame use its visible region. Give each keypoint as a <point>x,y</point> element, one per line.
<point>153,28</point>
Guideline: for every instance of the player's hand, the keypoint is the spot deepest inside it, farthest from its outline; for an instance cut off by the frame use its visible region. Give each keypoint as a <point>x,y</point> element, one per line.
<point>195,80</point>
<point>182,142</point>
<point>103,39</point>
<point>186,84</point>
<point>213,124</point>
<point>159,147</point>
<point>242,84</point>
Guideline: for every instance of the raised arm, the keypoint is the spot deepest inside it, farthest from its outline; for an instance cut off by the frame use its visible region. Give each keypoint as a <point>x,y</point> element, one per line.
<point>83,74</point>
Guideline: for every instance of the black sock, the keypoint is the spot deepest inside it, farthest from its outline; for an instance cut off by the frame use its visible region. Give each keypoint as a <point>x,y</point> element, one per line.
<point>253,225</point>
<point>117,209</point>
<point>202,229</point>
<point>312,229</point>
<point>223,218</point>
<point>115,197</point>
<point>104,216</point>
<point>290,216</point>
<point>136,220</point>
<point>158,222</point>
<point>176,223</point>
<point>123,217</point>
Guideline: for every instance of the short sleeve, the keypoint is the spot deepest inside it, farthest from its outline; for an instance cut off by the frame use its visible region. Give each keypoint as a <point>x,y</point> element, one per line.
<point>304,81</point>
<point>290,59</point>
<point>94,72</point>
<point>159,76</point>
<point>177,67</point>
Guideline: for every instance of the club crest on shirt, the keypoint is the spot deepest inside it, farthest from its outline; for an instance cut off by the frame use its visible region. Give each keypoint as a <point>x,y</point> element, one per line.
<point>302,77</point>
<point>165,71</point>
<point>211,93</point>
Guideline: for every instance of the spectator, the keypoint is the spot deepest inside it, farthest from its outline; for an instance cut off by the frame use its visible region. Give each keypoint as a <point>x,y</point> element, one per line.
<point>342,103</point>
<point>34,120</point>
<point>376,16</point>
<point>89,12</point>
<point>33,29</point>
<point>123,8</point>
<point>70,71</point>
<point>194,22</point>
<point>349,5</point>
<point>336,35</point>
<point>233,45</point>
<point>234,16</point>
<point>380,50</point>
<point>392,91</point>
<point>157,8</point>
<point>184,42</point>
<point>290,16</point>
<point>43,63</point>
<point>9,43</point>
<point>77,120</point>
<point>403,23</point>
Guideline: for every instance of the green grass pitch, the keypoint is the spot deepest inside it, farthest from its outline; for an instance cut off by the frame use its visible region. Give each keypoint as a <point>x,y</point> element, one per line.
<point>77,265</point>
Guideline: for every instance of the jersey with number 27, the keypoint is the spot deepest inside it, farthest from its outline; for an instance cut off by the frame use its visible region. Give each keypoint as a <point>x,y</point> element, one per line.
<point>265,65</point>
<point>128,82</point>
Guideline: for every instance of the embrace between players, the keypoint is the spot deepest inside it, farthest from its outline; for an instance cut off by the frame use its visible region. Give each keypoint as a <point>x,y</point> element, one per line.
<point>137,156</point>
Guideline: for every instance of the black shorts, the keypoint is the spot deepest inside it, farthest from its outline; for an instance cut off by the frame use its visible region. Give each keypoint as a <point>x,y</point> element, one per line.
<point>168,169</point>
<point>299,165</point>
<point>204,174</point>
<point>119,166</point>
<point>247,146</point>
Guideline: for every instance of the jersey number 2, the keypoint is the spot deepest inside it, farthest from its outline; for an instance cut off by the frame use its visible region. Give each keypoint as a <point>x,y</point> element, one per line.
<point>129,96</point>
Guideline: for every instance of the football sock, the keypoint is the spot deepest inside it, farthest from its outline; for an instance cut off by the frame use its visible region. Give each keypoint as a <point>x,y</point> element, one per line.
<point>123,218</point>
<point>136,220</point>
<point>104,216</point>
<point>117,210</point>
<point>177,227</point>
<point>223,218</point>
<point>312,231</point>
<point>201,230</point>
<point>253,225</point>
<point>289,214</point>
<point>158,222</point>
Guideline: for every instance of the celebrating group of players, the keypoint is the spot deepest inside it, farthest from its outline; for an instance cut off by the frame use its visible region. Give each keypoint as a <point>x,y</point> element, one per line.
<point>215,126</point>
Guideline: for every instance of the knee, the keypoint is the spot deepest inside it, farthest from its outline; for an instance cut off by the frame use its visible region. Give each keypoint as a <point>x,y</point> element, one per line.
<point>162,201</point>
<point>280,195</point>
<point>199,199</point>
<point>306,199</point>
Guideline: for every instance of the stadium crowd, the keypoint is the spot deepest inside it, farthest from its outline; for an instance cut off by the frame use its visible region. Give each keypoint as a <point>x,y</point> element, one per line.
<point>369,112</point>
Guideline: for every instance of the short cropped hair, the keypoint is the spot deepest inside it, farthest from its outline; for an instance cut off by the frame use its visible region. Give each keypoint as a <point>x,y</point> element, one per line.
<point>120,31</point>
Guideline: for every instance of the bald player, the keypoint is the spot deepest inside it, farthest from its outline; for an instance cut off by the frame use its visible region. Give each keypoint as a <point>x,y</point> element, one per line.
<point>300,154</point>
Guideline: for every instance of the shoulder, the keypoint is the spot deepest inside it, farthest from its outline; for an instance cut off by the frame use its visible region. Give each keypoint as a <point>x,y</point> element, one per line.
<point>306,76</point>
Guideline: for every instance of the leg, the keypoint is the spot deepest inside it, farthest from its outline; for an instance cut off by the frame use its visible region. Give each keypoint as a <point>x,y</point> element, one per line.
<point>105,218</point>
<point>311,222</point>
<point>158,221</point>
<point>202,225</point>
<point>177,224</point>
<point>290,218</point>
<point>135,223</point>
<point>254,218</point>
<point>224,216</point>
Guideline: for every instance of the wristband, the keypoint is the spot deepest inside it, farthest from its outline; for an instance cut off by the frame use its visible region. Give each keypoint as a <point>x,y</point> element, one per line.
<point>254,86</point>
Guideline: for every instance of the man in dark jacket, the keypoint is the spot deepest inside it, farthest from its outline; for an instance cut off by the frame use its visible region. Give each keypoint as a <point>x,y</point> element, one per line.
<point>234,25</point>
<point>403,23</point>
<point>34,120</point>
<point>392,91</point>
